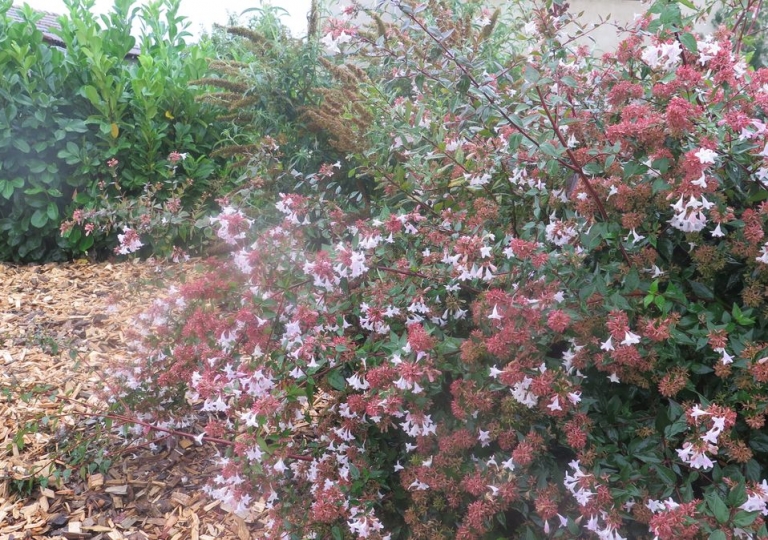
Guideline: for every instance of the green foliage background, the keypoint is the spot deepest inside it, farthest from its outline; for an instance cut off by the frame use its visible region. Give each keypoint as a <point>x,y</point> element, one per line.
<point>65,113</point>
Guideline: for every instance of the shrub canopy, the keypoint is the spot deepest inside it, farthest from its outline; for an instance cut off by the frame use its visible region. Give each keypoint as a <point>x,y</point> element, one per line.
<point>547,316</point>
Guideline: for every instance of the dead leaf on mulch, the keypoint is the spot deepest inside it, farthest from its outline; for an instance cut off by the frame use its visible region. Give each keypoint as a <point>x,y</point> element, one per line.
<point>59,323</point>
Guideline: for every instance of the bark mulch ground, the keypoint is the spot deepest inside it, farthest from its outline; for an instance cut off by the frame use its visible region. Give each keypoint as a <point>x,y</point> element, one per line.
<point>59,323</point>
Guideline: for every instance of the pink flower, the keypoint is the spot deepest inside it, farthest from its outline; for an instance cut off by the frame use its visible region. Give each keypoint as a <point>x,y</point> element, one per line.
<point>558,320</point>
<point>630,338</point>
<point>763,258</point>
<point>554,405</point>
<point>174,157</point>
<point>756,498</point>
<point>665,55</point>
<point>129,242</point>
<point>706,156</point>
<point>232,225</point>
<point>696,455</point>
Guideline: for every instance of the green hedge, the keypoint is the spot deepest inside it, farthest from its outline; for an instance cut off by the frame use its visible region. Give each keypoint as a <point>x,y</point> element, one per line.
<point>65,113</point>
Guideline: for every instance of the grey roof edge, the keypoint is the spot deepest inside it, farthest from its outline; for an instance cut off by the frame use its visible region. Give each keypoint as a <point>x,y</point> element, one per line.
<point>50,21</point>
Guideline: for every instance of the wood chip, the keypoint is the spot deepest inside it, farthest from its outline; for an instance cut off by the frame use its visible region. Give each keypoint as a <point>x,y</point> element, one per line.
<point>181,499</point>
<point>211,506</point>
<point>75,536</point>
<point>117,490</point>
<point>97,528</point>
<point>242,528</point>
<point>186,443</point>
<point>95,481</point>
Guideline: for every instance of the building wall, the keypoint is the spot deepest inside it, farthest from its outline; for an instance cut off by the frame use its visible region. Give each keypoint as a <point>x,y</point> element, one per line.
<point>622,12</point>
<point>605,37</point>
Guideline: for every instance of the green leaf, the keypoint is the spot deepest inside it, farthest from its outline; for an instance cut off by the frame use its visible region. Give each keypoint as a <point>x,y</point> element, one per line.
<point>742,318</point>
<point>737,495</point>
<point>701,369</point>
<point>354,472</point>
<point>73,235</point>
<point>37,166</point>
<point>671,16</point>
<point>336,380</point>
<point>52,211</point>
<point>632,281</point>
<point>549,149</point>
<point>7,189</point>
<point>677,427</point>
<point>92,94</point>
<point>666,248</point>
<point>758,441</point>
<point>531,75</point>
<point>688,41</point>
<point>701,291</point>
<point>666,474</point>
<point>718,535</point>
<point>21,145</point>
<point>39,219</point>
<point>681,337</point>
<point>753,471</point>
<point>619,302</point>
<point>717,506</point>
<point>744,519</point>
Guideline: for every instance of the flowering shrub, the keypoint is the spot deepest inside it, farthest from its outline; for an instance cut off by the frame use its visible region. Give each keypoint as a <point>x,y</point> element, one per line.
<point>157,216</point>
<point>550,321</point>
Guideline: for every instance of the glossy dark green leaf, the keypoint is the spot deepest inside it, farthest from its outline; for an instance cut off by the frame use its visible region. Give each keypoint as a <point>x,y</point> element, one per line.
<point>758,441</point>
<point>39,219</point>
<point>717,507</point>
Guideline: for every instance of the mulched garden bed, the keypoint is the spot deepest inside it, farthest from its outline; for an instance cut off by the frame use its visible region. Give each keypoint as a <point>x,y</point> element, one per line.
<point>59,323</point>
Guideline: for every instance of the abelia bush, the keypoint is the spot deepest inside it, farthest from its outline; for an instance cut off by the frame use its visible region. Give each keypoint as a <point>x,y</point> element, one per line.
<point>157,217</point>
<point>550,321</point>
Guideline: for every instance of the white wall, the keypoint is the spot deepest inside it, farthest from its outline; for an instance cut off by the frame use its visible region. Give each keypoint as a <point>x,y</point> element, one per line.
<point>622,12</point>
<point>605,37</point>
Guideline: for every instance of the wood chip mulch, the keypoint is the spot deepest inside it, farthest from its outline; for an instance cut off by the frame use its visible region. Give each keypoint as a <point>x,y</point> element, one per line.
<point>58,324</point>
